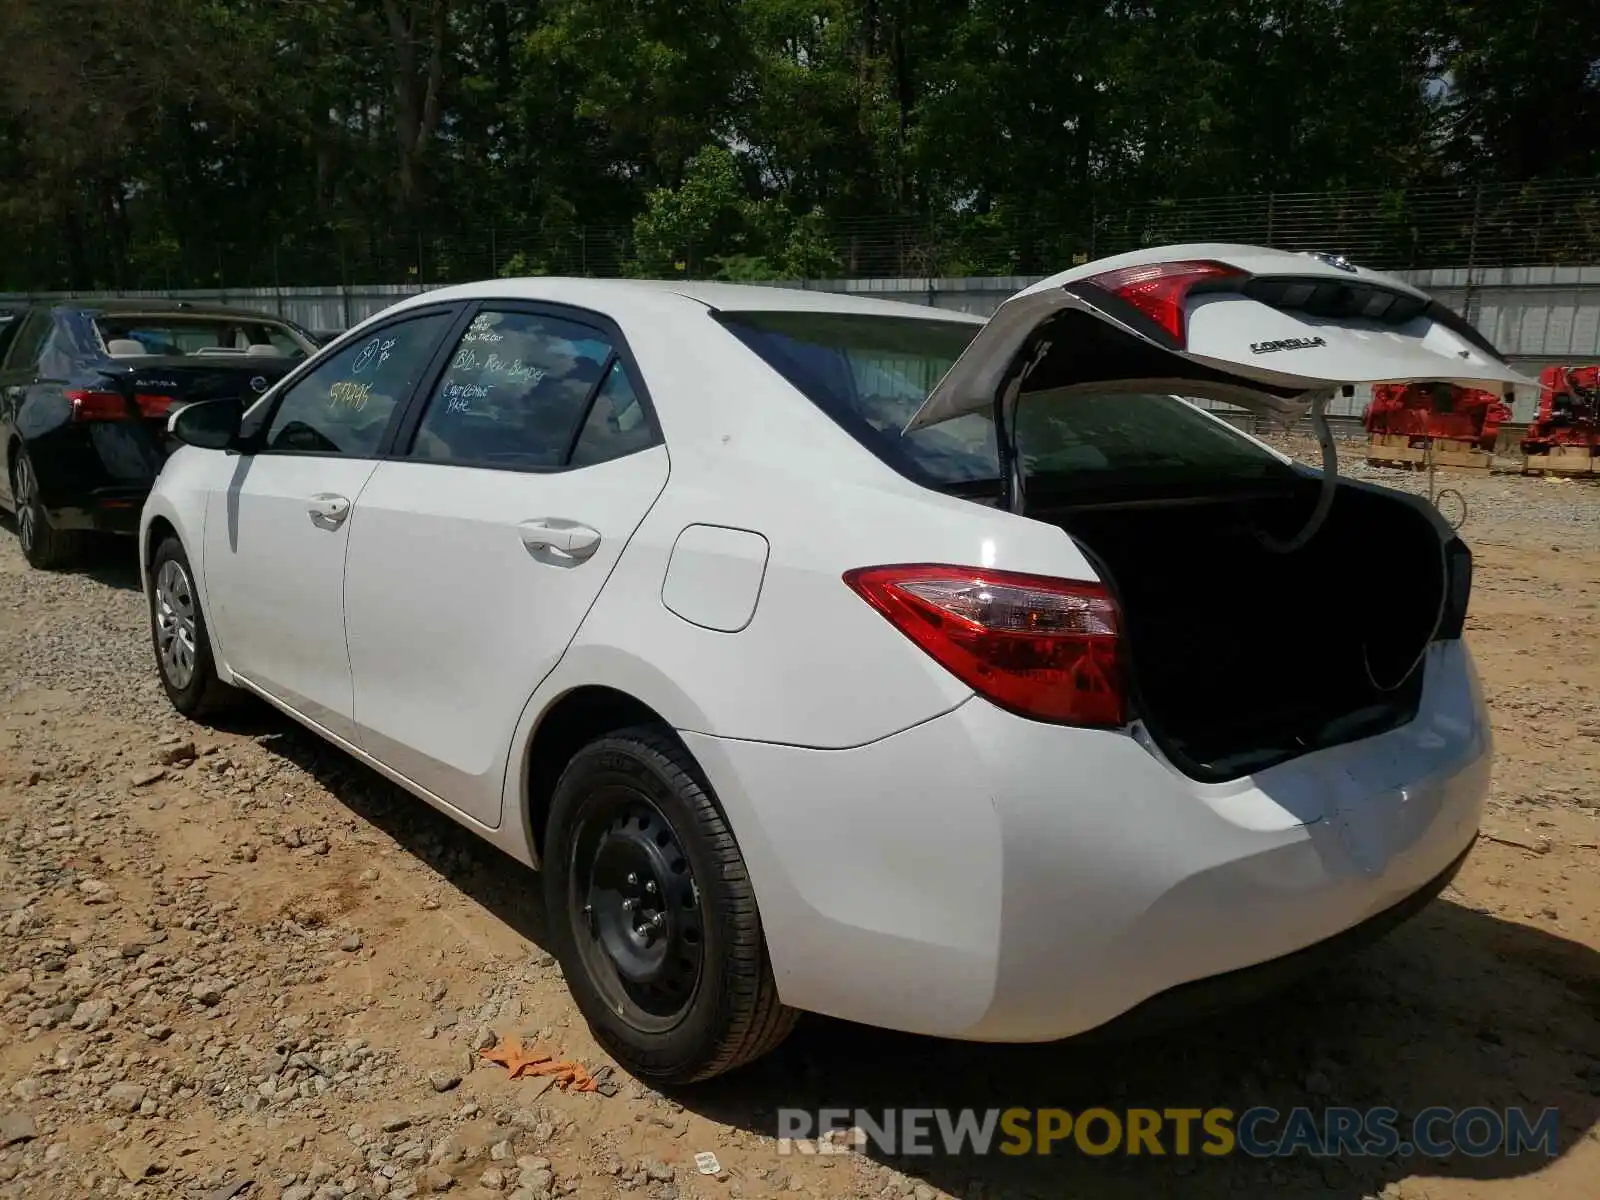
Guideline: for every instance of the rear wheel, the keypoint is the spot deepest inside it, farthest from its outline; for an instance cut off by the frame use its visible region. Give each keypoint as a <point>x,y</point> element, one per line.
<point>653,916</point>
<point>179,636</point>
<point>43,546</point>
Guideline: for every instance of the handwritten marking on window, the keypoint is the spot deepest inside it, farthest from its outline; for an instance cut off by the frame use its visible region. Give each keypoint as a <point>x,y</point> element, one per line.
<point>481,331</point>
<point>465,360</point>
<point>376,352</point>
<point>350,393</point>
<point>458,397</point>
<point>515,370</point>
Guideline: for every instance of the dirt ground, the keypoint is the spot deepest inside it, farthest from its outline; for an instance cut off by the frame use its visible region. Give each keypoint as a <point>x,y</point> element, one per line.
<point>237,963</point>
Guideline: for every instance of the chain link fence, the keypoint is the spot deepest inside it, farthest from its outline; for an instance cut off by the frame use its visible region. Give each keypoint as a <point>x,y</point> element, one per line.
<point>1467,225</point>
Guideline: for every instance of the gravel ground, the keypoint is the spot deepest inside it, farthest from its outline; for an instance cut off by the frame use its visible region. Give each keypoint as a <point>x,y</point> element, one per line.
<point>235,963</point>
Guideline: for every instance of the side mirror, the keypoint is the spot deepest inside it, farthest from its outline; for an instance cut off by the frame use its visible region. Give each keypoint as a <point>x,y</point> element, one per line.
<point>208,424</point>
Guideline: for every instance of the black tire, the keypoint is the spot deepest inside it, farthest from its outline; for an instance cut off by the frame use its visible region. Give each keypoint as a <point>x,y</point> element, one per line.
<point>45,547</point>
<point>731,1014</point>
<point>201,693</point>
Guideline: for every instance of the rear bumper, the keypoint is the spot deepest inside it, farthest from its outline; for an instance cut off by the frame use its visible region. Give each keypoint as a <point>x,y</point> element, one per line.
<point>986,877</point>
<point>103,510</point>
<point>1217,993</point>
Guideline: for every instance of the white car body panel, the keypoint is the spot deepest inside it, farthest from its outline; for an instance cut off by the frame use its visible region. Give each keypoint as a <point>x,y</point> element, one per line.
<point>439,586</point>
<point>921,859</point>
<point>988,878</point>
<point>275,580</point>
<point>1223,333</point>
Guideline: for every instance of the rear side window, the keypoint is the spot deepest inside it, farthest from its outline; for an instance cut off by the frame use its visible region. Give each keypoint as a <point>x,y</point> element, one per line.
<point>530,391</point>
<point>26,342</point>
<point>870,374</point>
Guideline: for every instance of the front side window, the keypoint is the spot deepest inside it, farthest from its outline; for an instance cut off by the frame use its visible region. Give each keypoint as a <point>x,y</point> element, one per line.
<point>344,405</point>
<point>517,390</point>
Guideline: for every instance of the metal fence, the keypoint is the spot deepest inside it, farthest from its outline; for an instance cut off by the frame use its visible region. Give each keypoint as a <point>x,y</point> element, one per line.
<point>1535,315</point>
<point>1465,225</point>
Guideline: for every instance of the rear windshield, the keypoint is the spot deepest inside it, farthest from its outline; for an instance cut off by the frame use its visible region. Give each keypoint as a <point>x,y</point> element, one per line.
<point>1092,441</point>
<point>166,336</point>
<point>870,374</point>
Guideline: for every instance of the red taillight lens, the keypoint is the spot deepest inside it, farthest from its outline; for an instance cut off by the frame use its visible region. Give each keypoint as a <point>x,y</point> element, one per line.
<point>1158,290</point>
<point>1044,648</point>
<point>98,406</point>
<point>153,406</point>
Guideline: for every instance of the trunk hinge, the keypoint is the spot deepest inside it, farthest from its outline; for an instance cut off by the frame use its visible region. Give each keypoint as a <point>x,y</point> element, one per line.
<point>1012,497</point>
<point>1330,480</point>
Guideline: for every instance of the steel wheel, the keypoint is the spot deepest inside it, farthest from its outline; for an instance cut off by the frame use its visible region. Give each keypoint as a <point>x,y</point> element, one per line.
<point>635,911</point>
<point>26,491</point>
<point>175,624</point>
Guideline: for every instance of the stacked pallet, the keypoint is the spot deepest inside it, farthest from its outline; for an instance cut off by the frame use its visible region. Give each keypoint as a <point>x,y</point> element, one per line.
<point>1563,460</point>
<point>1399,450</point>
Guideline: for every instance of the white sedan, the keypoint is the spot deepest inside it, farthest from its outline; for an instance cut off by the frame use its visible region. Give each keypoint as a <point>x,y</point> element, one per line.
<point>947,675</point>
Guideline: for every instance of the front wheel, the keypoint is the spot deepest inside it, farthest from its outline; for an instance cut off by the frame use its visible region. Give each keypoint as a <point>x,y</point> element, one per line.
<point>179,636</point>
<point>653,916</point>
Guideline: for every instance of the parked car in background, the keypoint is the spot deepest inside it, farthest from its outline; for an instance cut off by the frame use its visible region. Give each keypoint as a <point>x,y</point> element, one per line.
<point>85,392</point>
<point>831,654</point>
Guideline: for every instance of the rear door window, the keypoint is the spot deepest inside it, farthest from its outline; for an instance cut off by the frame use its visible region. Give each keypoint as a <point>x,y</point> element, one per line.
<point>532,391</point>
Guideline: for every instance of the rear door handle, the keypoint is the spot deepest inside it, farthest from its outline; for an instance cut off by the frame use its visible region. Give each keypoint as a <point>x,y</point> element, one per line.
<point>327,511</point>
<point>568,539</point>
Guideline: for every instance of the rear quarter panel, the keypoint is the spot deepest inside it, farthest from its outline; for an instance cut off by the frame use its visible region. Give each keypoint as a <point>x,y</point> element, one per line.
<point>815,666</point>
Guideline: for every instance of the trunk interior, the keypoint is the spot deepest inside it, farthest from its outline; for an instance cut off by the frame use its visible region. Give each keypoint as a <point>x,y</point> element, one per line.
<point>1241,657</point>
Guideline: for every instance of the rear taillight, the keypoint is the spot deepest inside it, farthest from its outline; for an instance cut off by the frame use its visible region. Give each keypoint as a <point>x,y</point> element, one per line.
<point>98,406</point>
<point>1159,290</point>
<point>152,405</point>
<point>1040,647</point>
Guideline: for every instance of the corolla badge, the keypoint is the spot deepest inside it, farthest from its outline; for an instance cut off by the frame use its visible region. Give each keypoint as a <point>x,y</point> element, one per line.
<point>258,384</point>
<point>1334,260</point>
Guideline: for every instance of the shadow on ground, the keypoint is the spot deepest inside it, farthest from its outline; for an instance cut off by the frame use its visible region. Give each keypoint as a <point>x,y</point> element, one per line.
<point>112,561</point>
<point>1456,1009</point>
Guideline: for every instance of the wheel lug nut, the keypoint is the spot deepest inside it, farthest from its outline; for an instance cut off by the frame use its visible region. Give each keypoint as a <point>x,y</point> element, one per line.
<point>627,905</point>
<point>657,921</point>
<point>650,886</point>
<point>633,879</point>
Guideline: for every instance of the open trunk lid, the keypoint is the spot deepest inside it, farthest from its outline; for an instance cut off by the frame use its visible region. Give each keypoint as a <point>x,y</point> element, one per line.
<point>1268,330</point>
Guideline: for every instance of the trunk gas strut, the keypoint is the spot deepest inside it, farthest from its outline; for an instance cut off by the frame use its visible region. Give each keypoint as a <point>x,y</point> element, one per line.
<point>1330,482</point>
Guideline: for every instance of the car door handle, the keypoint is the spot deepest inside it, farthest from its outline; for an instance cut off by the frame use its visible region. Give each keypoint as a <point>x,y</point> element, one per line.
<point>567,538</point>
<point>327,511</point>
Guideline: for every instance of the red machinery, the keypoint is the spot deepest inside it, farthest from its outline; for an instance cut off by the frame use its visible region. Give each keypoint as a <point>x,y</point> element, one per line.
<point>1569,411</point>
<point>1438,411</point>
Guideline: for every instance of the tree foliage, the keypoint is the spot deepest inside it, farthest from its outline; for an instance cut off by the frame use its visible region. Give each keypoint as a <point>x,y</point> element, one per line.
<point>194,142</point>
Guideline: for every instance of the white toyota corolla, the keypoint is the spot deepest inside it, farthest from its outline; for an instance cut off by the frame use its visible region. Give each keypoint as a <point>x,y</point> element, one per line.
<point>827,654</point>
